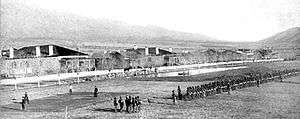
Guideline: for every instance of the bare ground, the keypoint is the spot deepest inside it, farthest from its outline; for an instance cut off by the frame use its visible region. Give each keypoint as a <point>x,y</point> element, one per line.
<point>271,100</point>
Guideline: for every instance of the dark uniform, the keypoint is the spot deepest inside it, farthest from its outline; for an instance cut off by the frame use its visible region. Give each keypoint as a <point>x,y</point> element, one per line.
<point>115,104</point>
<point>133,103</point>
<point>228,87</point>
<point>23,103</point>
<point>173,97</point>
<point>121,103</point>
<point>26,98</point>
<point>95,92</point>
<point>138,103</point>
<point>179,93</point>
<point>127,104</point>
<point>70,89</point>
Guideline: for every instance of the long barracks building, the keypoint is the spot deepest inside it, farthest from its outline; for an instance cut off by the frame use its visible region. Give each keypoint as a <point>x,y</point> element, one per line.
<point>43,59</point>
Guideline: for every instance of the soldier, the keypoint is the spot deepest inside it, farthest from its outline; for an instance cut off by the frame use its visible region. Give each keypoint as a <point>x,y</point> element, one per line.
<point>228,87</point>
<point>23,103</point>
<point>95,92</point>
<point>121,103</point>
<point>179,93</point>
<point>26,98</point>
<point>127,104</point>
<point>138,103</point>
<point>133,104</point>
<point>173,97</point>
<point>115,104</point>
<point>280,77</point>
<point>257,82</point>
<point>70,89</point>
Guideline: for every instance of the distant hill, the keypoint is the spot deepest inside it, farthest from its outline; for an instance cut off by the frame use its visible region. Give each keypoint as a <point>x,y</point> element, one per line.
<point>23,25</point>
<point>287,39</point>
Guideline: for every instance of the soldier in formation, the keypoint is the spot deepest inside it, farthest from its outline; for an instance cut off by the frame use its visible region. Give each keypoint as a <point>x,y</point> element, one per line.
<point>121,103</point>
<point>226,84</point>
<point>95,92</point>
<point>115,104</point>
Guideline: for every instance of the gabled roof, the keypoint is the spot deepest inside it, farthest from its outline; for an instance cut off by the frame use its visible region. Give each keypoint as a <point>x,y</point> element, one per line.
<point>30,51</point>
<point>152,51</point>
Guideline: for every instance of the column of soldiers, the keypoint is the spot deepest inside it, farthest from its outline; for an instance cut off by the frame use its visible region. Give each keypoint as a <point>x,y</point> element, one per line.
<point>133,104</point>
<point>226,84</point>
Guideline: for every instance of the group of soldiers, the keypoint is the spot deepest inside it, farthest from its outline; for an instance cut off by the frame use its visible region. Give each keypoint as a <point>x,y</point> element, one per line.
<point>226,84</point>
<point>179,95</point>
<point>133,104</point>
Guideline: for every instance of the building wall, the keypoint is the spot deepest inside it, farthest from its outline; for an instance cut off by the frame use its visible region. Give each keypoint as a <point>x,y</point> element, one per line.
<point>109,63</point>
<point>30,67</point>
<point>149,61</point>
<point>287,54</point>
<point>77,65</point>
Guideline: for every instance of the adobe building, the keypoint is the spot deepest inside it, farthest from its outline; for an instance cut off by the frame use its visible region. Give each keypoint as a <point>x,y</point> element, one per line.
<point>149,57</point>
<point>42,60</point>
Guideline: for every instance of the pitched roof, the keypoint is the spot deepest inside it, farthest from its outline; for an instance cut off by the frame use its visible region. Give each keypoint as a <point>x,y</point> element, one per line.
<point>152,51</point>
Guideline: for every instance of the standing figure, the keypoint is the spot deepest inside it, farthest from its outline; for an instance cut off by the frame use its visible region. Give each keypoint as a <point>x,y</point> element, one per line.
<point>280,77</point>
<point>23,103</point>
<point>70,89</point>
<point>121,103</point>
<point>138,103</point>
<point>228,88</point>
<point>115,104</point>
<point>95,92</point>
<point>133,104</point>
<point>26,98</point>
<point>173,97</point>
<point>127,104</point>
<point>257,82</point>
<point>179,93</point>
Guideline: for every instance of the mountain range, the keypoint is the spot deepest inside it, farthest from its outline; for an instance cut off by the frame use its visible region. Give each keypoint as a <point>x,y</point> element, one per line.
<point>289,38</point>
<point>23,25</point>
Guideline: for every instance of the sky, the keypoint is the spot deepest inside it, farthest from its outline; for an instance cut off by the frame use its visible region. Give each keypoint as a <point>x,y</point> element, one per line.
<point>230,20</point>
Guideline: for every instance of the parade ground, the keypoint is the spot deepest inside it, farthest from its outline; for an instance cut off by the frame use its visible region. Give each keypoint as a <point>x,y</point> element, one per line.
<point>271,100</point>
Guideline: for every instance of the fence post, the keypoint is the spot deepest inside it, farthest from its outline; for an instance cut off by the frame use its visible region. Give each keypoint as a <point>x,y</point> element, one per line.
<point>66,112</point>
<point>16,88</point>
<point>58,76</point>
<point>39,84</point>
<point>78,77</point>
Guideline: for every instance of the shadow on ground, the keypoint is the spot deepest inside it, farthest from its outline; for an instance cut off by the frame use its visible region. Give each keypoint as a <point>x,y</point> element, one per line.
<point>104,109</point>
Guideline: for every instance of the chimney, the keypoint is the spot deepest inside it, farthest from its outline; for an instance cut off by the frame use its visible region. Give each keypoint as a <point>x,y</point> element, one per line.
<point>135,47</point>
<point>170,49</point>
<point>156,50</point>
<point>146,51</point>
<point>11,52</point>
<point>51,50</point>
<point>38,51</point>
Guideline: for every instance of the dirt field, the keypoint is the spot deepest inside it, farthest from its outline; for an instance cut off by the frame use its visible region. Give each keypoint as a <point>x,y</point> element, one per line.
<point>271,100</point>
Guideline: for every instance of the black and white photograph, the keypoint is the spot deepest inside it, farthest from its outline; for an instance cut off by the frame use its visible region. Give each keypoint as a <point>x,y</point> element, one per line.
<point>149,59</point>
